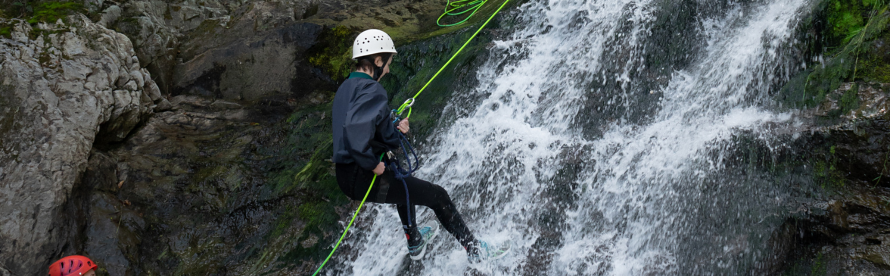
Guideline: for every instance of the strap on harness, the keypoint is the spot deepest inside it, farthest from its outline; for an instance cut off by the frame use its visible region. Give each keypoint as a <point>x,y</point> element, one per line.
<point>400,172</point>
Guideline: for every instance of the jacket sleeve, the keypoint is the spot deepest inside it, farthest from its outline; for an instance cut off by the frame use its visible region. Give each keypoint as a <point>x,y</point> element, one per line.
<point>386,130</point>
<point>360,127</point>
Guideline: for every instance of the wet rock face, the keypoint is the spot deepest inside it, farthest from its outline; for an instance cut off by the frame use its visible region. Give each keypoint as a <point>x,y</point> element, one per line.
<point>247,50</point>
<point>98,162</point>
<point>208,188</point>
<point>63,87</point>
<point>840,225</point>
<point>861,140</point>
<point>232,50</point>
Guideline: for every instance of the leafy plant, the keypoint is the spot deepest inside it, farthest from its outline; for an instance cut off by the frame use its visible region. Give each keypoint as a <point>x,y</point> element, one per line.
<point>851,28</point>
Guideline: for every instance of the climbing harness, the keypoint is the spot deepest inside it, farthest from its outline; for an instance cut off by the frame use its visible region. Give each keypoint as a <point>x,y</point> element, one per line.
<point>403,141</point>
<point>402,173</point>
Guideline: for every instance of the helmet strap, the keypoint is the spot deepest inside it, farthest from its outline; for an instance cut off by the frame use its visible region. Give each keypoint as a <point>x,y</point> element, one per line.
<point>378,71</point>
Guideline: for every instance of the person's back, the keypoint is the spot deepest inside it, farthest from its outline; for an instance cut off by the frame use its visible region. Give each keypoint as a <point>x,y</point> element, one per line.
<point>360,106</point>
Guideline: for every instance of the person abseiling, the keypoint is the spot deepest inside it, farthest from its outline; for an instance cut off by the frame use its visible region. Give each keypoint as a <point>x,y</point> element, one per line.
<point>364,129</point>
<point>74,265</point>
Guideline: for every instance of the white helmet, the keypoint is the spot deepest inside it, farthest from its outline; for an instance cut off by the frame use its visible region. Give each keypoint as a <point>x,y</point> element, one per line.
<point>371,42</point>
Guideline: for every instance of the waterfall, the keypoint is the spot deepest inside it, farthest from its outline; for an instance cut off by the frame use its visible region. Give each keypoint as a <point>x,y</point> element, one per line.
<point>597,147</point>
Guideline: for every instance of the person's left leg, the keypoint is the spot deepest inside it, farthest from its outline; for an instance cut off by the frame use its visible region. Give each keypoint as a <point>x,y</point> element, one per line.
<point>420,192</point>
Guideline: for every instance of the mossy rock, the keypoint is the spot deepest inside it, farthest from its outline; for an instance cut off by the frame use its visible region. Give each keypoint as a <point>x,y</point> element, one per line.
<point>6,29</point>
<point>856,52</point>
<point>53,11</point>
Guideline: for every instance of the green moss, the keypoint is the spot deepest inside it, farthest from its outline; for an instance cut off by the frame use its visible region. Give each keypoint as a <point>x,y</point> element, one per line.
<point>316,214</point>
<point>416,64</point>
<point>52,11</point>
<point>825,170</point>
<point>850,35</point>
<point>333,53</point>
<point>6,30</point>
<point>845,19</point>
<point>850,100</point>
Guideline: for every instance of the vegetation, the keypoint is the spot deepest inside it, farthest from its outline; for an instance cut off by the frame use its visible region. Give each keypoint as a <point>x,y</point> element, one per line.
<point>850,32</point>
<point>52,11</point>
<point>826,170</point>
<point>849,18</point>
<point>5,30</point>
<point>333,54</point>
<point>41,11</point>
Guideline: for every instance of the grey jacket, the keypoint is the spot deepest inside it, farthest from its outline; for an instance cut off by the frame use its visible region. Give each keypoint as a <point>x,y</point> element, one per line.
<point>362,126</point>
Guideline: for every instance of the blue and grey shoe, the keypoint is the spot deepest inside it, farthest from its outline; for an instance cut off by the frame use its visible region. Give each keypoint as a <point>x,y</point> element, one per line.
<point>483,251</point>
<point>428,234</point>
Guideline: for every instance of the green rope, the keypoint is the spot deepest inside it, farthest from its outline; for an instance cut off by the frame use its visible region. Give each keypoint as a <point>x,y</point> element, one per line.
<point>459,7</point>
<point>410,101</point>
<point>350,222</point>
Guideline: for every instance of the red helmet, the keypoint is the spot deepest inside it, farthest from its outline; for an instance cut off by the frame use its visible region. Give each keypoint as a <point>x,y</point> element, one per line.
<point>74,265</point>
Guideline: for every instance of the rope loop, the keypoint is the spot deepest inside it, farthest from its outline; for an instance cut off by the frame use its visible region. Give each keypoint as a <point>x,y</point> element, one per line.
<point>407,104</point>
<point>395,165</point>
<point>459,7</point>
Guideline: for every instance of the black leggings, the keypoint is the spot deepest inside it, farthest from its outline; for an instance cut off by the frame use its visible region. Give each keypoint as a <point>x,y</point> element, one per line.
<point>354,181</point>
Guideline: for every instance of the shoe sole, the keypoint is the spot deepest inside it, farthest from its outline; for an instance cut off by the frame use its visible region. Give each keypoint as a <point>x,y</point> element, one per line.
<point>427,242</point>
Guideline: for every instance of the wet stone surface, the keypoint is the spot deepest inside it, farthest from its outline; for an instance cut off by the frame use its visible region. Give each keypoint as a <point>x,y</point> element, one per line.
<point>200,190</point>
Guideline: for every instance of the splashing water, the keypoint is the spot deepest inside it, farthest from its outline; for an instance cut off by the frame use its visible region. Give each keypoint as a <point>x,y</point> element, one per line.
<point>577,150</point>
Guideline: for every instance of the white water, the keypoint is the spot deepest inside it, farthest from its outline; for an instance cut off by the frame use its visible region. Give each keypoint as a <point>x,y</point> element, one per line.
<point>638,197</point>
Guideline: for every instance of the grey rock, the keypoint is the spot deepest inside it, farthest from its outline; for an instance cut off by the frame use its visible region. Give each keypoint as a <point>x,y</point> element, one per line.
<point>249,50</point>
<point>110,15</point>
<point>52,110</point>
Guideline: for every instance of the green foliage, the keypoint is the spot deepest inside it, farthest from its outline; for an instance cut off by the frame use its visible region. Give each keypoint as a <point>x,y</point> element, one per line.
<point>845,19</point>
<point>333,53</point>
<point>52,11</point>
<point>852,29</point>
<point>42,11</point>
<point>6,30</point>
